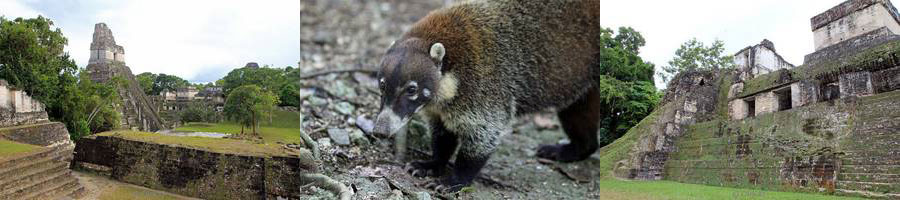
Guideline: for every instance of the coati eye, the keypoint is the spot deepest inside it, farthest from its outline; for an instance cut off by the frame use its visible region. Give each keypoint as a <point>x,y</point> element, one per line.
<point>411,89</point>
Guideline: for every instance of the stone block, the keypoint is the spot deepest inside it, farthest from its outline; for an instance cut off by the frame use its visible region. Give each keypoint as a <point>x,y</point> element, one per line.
<point>856,84</point>
<point>803,93</point>
<point>853,18</point>
<point>738,109</point>
<point>766,102</point>
<point>886,80</point>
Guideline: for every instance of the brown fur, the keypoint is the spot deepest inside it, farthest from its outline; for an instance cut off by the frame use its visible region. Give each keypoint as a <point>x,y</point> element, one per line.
<point>503,58</point>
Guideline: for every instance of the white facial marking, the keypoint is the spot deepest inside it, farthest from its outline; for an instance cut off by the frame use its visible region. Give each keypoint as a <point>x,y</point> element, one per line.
<point>413,84</point>
<point>426,92</point>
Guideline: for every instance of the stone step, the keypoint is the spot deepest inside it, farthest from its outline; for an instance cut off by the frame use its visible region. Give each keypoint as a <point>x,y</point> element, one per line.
<point>69,189</point>
<point>869,177</point>
<point>37,185</point>
<point>31,174</point>
<point>25,160</point>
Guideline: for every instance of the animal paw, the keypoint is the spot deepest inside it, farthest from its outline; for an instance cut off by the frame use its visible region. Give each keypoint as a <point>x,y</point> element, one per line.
<point>448,185</point>
<point>424,168</point>
<point>559,152</point>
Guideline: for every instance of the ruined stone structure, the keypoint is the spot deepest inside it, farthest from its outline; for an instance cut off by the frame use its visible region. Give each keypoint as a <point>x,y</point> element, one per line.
<point>196,172</point>
<point>42,171</point>
<point>829,125</point>
<point>107,63</point>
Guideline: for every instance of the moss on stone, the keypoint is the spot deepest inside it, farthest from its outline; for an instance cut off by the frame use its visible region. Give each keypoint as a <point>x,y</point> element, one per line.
<point>223,145</point>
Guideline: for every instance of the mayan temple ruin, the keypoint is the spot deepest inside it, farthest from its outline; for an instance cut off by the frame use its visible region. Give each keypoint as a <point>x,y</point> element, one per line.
<point>107,62</point>
<point>37,167</point>
<point>830,125</point>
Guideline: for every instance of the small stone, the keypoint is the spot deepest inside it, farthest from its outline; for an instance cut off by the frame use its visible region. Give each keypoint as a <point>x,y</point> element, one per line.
<point>544,122</point>
<point>345,108</point>
<point>358,137</point>
<point>396,195</point>
<point>365,80</point>
<point>340,88</point>
<point>423,196</point>
<point>364,124</point>
<point>316,101</point>
<point>306,92</point>
<point>340,136</point>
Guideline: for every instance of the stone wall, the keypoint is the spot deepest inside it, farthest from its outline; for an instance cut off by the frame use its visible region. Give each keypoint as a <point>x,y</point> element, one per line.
<point>853,18</point>
<point>690,97</point>
<point>18,108</point>
<point>193,172</point>
<point>846,147</point>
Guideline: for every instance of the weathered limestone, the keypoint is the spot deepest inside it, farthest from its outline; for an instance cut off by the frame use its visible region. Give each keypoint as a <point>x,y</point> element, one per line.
<point>37,174</point>
<point>803,93</point>
<point>18,108</point>
<point>196,172</point>
<point>856,84</point>
<point>766,103</point>
<point>108,61</point>
<point>758,60</point>
<point>690,98</point>
<point>827,126</point>
<point>853,18</point>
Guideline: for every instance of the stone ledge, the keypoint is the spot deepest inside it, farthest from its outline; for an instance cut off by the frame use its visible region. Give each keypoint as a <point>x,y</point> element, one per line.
<point>847,8</point>
<point>851,46</point>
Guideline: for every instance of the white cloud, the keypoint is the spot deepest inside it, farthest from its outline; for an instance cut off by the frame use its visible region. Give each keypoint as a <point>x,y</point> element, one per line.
<point>196,40</point>
<point>667,24</point>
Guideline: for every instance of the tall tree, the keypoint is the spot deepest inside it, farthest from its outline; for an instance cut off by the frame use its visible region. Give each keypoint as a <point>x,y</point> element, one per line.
<point>146,81</point>
<point>248,104</point>
<point>168,82</point>
<point>627,88</point>
<point>694,55</point>
<point>32,59</point>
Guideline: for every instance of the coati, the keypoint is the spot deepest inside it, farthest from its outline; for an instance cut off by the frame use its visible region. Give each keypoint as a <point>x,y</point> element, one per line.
<point>471,68</point>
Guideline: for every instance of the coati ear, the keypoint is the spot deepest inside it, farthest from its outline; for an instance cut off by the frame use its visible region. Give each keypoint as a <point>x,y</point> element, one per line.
<point>437,52</point>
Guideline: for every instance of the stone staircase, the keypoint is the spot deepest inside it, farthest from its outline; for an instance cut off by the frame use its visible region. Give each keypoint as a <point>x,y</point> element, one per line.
<point>40,174</point>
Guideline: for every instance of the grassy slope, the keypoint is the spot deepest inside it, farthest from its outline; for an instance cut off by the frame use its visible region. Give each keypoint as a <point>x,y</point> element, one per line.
<point>618,189</point>
<point>135,193</point>
<point>225,145</point>
<point>9,148</point>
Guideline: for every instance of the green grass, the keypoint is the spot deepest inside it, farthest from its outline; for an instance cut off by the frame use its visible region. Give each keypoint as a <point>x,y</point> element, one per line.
<point>269,134</point>
<point>224,145</point>
<point>135,193</point>
<point>619,189</point>
<point>9,148</point>
<point>284,128</point>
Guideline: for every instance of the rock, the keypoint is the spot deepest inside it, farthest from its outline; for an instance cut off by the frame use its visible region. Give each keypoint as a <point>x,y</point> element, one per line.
<point>339,136</point>
<point>324,37</point>
<point>306,92</point>
<point>341,89</point>
<point>397,195</point>
<point>365,124</point>
<point>345,108</point>
<point>423,196</point>
<point>544,122</point>
<point>365,80</point>
<point>358,137</point>
<point>317,101</point>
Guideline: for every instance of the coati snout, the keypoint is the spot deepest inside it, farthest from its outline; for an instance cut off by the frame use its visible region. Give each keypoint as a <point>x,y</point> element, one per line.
<point>407,79</point>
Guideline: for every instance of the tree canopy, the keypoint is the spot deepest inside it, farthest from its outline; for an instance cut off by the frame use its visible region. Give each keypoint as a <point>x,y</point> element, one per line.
<point>694,55</point>
<point>32,59</point>
<point>275,80</point>
<point>626,86</point>
<point>248,104</point>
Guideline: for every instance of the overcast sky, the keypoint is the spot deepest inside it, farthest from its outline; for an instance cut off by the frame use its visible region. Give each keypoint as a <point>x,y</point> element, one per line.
<point>203,40</point>
<point>199,40</point>
<point>667,24</point>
